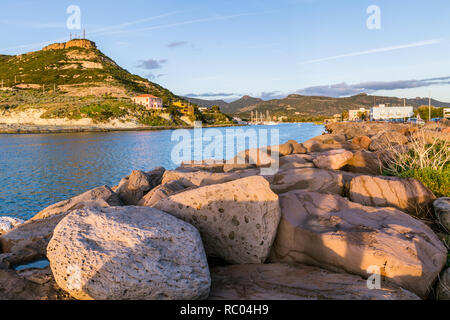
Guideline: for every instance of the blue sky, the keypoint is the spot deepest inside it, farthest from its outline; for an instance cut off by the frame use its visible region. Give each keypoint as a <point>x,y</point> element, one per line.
<point>228,48</point>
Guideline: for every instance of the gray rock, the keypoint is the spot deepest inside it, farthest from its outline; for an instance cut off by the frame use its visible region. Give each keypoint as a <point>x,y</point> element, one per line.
<point>299,282</point>
<point>333,160</point>
<point>198,178</point>
<point>237,220</point>
<point>442,212</point>
<point>161,192</point>
<point>29,240</point>
<point>312,179</point>
<point>123,253</point>
<point>132,188</point>
<point>333,233</point>
<point>30,285</point>
<point>408,195</point>
<point>443,286</point>
<point>9,223</point>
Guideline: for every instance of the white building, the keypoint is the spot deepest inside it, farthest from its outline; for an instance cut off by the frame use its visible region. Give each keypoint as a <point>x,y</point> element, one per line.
<point>447,113</point>
<point>149,101</point>
<point>383,112</point>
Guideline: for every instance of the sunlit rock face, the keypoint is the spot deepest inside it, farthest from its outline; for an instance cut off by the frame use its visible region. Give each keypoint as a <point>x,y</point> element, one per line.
<point>123,253</point>
<point>280,281</point>
<point>238,220</point>
<point>334,233</point>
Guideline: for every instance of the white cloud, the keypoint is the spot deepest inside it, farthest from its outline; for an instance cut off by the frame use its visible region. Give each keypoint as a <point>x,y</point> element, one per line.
<point>378,50</point>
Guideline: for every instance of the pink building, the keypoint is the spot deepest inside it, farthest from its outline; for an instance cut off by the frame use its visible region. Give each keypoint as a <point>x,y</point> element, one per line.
<point>149,101</point>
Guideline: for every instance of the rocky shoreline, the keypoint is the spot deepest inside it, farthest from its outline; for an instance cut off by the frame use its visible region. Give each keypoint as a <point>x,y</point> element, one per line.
<point>319,228</point>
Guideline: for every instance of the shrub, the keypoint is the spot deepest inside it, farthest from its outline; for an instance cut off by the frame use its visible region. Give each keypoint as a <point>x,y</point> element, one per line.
<point>427,162</point>
<point>438,181</point>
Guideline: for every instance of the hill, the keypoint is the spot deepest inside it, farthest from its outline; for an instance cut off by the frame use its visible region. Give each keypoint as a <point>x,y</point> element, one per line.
<point>73,67</point>
<point>74,81</point>
<point>302,107</point>
<point>207,103</point>
<point>298,106</point>
<point>227,107</point>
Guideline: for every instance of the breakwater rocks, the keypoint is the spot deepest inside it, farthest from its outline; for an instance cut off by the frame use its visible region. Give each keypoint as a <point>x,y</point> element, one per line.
<point>324,226</point>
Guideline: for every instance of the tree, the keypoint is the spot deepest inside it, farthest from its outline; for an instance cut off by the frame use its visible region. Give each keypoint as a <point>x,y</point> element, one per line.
<point>362,116</point>
<point>424,112</point>
<point>215,109</point>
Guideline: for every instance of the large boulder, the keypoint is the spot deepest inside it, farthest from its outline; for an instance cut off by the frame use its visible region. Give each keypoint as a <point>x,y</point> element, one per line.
<point>285,149</point>
<point>161,192</point>
<point>297,148</point>
<point>296,161</point>
<point>9,223</point>
<point>29,240</point>
<point>443,286</point>
<point>442,212</point>
<point>206,165</point>
<point>290,147</point>
<point>287,282</point>
<point>123,253</point>
<point>386,139</point>
<point>102,196</point>
<point>331,232</point>
<point>260,157</point>
<point>198,178</point>
<point>362,142</point>
<point>408,195</point>
<point>327,142</point>
<point>312,179</point>
<point>333,160</point>
<point>132,188</point>
<point>237,220</point>
<point>365,162</point>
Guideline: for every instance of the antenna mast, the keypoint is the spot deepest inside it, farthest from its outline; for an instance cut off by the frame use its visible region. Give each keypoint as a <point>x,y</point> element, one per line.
<point>429,106</point>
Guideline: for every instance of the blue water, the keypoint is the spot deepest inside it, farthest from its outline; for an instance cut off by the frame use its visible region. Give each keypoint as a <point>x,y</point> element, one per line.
<point>41,169</point>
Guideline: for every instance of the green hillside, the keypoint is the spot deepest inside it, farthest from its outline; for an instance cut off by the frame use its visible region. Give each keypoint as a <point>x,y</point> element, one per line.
<point>78,81</point>
<point>74,66</point>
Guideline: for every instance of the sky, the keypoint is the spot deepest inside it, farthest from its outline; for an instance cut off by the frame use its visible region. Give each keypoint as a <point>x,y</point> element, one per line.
<point>224,49</point>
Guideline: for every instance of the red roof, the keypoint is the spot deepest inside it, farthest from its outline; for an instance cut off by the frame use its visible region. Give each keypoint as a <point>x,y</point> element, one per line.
<point>147,96</point>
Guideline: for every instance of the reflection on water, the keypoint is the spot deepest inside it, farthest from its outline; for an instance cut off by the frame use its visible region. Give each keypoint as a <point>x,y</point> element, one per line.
<point>39,170</point>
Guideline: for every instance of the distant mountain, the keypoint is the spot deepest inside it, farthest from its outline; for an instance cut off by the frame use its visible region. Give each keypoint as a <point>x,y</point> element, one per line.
<point>207,103</point>
<point>307,106</point>
<point>299,105</point>
<point>242,103</point>
<point>227,107</point>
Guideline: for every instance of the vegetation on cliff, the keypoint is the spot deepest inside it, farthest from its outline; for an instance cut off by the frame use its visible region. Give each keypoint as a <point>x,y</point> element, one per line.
<point>78,81</point>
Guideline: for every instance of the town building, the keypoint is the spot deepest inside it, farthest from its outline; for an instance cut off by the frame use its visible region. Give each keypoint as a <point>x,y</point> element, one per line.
<point>384,112</point>
<point>446,113</point>
<point>149,101</point>
<point>354,115</point>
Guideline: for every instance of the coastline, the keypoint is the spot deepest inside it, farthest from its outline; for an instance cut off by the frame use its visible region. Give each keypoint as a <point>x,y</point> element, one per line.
<point>319,196</point>
<point>51,129</point>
